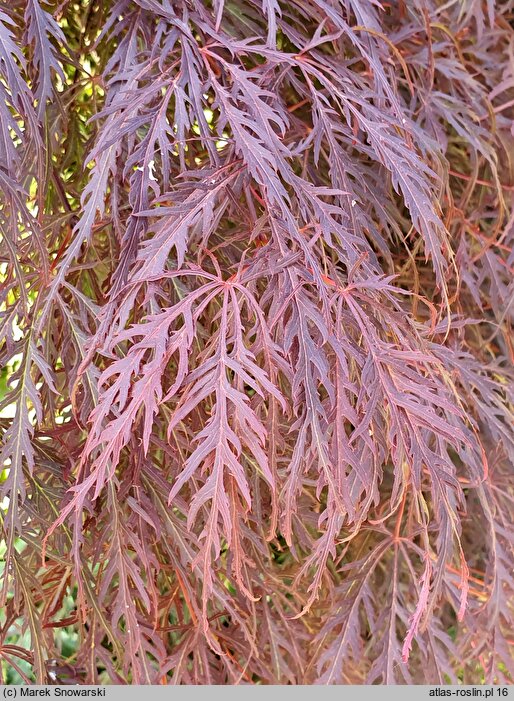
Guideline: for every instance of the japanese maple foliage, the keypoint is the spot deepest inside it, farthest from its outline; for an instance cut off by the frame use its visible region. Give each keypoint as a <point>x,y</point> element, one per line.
<point>256,309</point>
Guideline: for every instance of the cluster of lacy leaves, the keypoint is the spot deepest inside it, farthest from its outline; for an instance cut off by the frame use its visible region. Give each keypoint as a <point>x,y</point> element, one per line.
<point>256,307</point>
